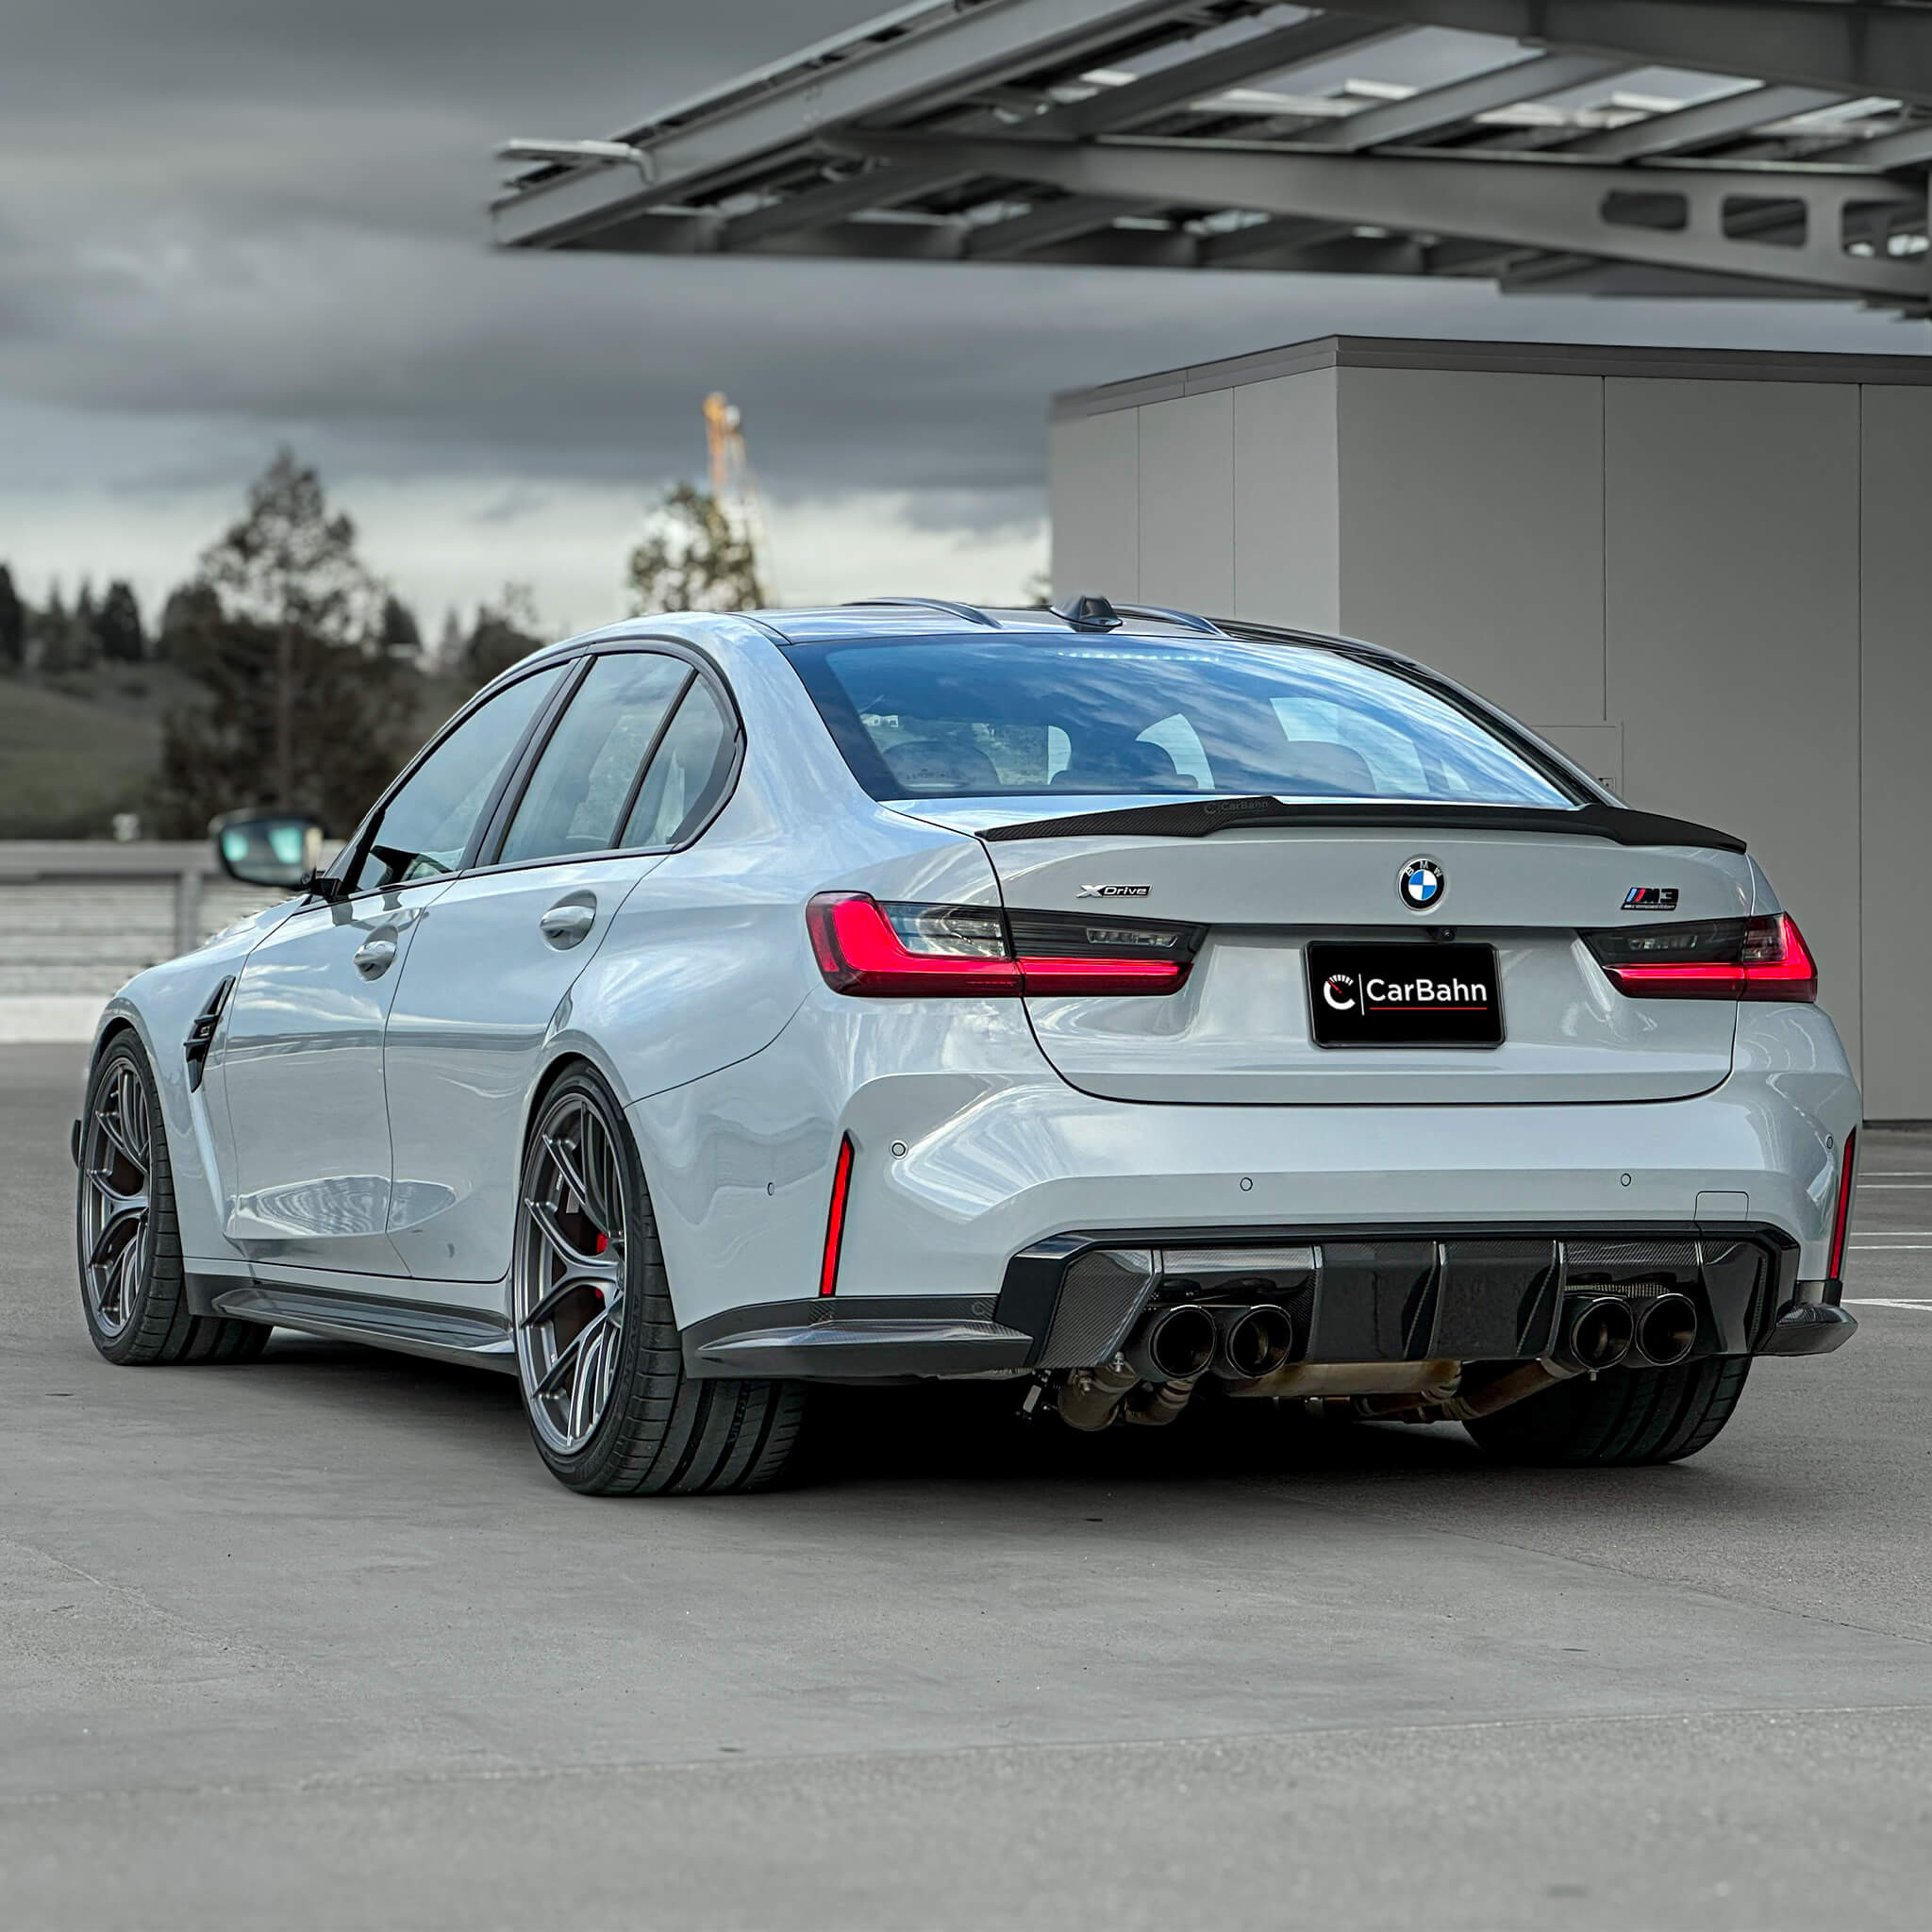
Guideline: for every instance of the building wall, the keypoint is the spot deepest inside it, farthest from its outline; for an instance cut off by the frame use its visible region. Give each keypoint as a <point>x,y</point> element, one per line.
<point>1731,547</point>
<point>1893,678</point>
<point>1714,592</point>
<point>1094,480</point>
<point>1287,507</point>
<point>1186,500</point>
<point>1472,530</point>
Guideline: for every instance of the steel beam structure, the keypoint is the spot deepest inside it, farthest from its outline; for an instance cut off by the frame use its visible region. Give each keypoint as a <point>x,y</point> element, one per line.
<point>1704,122</point>
<point>1438,108</point>
<point>1156,133</point>
<point>1682,218</point>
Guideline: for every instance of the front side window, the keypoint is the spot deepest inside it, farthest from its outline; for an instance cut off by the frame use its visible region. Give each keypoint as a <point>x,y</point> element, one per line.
<point>582,783</point>
<point>426,827</point>
<point>986,716</point>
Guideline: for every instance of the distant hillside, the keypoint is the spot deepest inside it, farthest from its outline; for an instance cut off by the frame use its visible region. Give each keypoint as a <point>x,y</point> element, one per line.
<point>76,750</point>
<point>68,763</point>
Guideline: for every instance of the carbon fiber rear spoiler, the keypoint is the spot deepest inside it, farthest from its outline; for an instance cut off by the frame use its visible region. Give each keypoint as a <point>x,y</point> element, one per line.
<point>1199,818</point>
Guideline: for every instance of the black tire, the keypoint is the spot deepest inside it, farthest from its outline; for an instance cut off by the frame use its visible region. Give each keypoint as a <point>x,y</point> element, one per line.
<point>1619,1418</point>
<point>659,1432</point>
<point>145,1318</point>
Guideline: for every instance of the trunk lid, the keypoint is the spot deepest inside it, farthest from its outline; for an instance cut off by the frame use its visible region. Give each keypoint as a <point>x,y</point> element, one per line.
<point>1240,1030</point>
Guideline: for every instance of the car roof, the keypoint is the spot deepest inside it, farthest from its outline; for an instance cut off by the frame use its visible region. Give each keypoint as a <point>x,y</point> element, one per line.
<point>1089,616</point>
<point>875,618</point>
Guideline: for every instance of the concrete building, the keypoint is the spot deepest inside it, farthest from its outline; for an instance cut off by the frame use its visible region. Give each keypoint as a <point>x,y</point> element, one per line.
<point>1706,573</point>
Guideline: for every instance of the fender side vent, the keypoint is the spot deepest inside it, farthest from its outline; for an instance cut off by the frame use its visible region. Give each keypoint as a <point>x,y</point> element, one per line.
<point>201,1034</point>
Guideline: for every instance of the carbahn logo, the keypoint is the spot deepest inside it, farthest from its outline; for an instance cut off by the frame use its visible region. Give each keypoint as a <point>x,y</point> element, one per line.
<point>1421,884</point>
<point>1650,899</point>
<point>1339,991</point>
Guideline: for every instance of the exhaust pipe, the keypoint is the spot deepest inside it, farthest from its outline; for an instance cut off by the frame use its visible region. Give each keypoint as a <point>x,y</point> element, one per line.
<point>1174,1351</point>
<point>1253,1342</point>
<point>1178,1345</point>
<point>1667,1331</point>
<point>1091,1397</point>
<point>1600,1334</point>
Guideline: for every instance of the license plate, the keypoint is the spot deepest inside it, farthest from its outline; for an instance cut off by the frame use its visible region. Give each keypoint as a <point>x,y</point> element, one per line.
<point>1404,994</point>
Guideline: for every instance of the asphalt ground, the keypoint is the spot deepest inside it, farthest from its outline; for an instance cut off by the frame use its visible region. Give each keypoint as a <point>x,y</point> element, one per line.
<point>316,1642</point>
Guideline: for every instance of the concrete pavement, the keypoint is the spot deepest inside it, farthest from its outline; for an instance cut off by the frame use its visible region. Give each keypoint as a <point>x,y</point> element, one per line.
<point>316,1642</point>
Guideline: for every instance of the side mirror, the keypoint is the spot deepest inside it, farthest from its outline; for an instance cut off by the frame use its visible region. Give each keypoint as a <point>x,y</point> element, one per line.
<point>268,848</point>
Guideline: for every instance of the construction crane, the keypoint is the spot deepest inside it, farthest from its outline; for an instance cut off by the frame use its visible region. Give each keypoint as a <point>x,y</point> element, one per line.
<point>734,487</point>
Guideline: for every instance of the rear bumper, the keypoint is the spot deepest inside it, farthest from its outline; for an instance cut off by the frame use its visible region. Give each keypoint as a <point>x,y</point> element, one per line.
<point>983,1154</point>
<point>1027,1163</point>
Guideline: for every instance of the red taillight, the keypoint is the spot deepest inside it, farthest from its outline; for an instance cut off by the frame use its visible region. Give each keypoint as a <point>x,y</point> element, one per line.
<point>1761,959</point>
<point>1095,976</point>
<point>871,950</point>
<point>1841,1223</point>
<point>835,1218</point>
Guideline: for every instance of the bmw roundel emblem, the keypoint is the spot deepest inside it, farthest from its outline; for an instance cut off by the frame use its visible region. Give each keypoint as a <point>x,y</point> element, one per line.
<point>1422,883</point>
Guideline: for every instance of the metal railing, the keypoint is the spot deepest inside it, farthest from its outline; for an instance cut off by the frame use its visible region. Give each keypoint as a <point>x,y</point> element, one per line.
<point>82,916</point>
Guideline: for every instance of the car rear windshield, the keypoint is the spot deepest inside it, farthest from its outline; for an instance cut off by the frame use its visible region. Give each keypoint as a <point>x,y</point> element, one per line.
<point>975,717</point>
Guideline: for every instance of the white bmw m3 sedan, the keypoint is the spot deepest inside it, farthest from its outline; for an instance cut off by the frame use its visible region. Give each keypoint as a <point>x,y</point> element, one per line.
<point>1141,1010</point>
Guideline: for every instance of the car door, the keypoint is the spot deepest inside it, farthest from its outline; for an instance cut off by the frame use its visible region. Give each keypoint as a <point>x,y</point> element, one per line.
<point>493,960</point>
<point>297,1071</point>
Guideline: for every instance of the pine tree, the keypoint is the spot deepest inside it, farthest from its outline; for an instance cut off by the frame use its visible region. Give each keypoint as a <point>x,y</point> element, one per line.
<point>117,624</point>
<point>192,610</point>
<point>400,631</point>
<point>302,707</point>
<point>14,616</point>
<point>504,631</point>
<point>48,631</point>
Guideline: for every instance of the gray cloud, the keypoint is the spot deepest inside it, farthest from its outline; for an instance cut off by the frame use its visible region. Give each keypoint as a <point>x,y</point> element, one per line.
<point>223,223</point>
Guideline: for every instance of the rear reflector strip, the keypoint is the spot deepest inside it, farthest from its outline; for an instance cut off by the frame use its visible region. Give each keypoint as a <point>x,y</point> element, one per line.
<point>835,1219</point>
<point>1760,958</point>
<point>1842,1223</point>
<point>902,951</point>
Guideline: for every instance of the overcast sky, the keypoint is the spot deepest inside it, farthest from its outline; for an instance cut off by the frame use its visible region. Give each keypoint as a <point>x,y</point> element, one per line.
<point>227,223</point>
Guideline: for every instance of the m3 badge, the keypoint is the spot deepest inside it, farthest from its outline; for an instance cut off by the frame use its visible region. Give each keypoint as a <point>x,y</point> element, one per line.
<point>1650,899</point>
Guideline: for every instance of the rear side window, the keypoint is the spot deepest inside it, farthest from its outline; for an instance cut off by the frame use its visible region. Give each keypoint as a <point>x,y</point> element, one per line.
<point>979,717</point>
<point>582,783</point>
<point>689,771</point>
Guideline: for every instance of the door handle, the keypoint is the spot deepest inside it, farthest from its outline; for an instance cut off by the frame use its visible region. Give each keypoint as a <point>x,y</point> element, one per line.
<point>375,956</point>
<point>569,924</point>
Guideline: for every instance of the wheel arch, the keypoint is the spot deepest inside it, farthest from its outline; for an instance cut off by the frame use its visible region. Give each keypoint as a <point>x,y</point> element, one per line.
<point>566,1059</point>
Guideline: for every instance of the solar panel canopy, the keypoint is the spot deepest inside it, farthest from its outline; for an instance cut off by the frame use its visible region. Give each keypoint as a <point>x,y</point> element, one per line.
<point>1656,147</point>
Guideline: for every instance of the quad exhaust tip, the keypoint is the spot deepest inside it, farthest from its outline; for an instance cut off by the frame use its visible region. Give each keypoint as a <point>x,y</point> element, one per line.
<point>1667,1331</point>
<point>1254,1341</point>
<point>1176,1346</point>
<point>1601,1333</point>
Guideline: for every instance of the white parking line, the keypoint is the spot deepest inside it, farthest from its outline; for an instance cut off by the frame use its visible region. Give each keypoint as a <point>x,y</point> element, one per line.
<point>1889,1187</point>
<point>1924,1308</point>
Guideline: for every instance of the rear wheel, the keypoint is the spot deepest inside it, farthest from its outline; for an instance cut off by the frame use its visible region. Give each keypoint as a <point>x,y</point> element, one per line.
<point>133,1289</point>
<point>1619,1417</point>
<point>598,1351</point>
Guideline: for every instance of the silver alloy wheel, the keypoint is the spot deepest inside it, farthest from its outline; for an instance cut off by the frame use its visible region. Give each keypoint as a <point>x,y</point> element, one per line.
<point>568,1293</point>
<point>115,1160</point>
